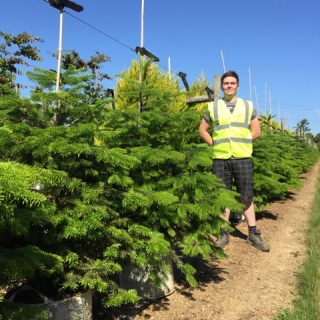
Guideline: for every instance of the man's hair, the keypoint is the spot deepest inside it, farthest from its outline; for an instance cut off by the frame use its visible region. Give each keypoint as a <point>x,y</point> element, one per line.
<point>229,74</point>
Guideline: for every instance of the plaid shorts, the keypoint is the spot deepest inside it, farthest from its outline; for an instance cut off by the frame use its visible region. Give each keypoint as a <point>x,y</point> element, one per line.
<point>237,171</point>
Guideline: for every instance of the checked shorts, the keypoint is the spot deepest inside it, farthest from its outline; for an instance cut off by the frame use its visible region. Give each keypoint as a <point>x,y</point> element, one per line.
<point>238,172</point>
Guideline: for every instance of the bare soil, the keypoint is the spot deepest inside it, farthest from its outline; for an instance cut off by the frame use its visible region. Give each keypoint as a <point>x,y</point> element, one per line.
<point>248,284</point>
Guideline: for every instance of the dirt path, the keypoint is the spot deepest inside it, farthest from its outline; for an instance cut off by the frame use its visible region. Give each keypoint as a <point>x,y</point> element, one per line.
<point>249,285</point>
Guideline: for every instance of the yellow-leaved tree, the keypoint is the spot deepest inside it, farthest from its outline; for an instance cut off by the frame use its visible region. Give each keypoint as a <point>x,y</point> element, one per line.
<point>145,87</point>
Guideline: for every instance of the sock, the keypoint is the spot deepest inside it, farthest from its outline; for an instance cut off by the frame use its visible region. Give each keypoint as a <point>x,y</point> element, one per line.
<point>252,229</point>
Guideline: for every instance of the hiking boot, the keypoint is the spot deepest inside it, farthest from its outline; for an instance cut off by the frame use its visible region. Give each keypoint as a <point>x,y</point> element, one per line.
<point>223,240</point>
<point>254,238</point>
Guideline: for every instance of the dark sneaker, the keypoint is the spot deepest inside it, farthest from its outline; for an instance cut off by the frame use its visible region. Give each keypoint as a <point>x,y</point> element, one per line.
<point>254,238</point>
<point>223,240</point>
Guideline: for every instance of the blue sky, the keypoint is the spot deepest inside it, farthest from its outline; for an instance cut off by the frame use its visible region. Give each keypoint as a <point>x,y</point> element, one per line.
<point>274,45</point>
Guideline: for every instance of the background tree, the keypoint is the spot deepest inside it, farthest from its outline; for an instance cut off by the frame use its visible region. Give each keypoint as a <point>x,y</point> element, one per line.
<point>94,88</point>
<point>310,138</point>
<point>302,127</point>
<point>266,122</point>
<point>14,51</point>
<point>317,140</point>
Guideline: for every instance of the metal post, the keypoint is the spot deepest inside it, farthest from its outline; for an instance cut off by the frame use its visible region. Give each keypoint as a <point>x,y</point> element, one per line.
<point>59,50</point>
<point>142,24</point>
<point>141,46</point>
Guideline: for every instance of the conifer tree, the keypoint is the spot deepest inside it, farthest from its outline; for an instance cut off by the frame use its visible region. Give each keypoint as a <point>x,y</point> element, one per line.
<point>125,201</point>
<point>279,160</point>
<point>93,86</point>
<point>79,221</point>
<point>144,80</point>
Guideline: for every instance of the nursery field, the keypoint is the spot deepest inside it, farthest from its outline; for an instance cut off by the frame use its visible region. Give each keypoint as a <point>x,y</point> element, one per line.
<point>249,284</point>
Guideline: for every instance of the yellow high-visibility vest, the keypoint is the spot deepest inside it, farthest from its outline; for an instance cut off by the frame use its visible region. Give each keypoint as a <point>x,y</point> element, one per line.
<point>231,133</point>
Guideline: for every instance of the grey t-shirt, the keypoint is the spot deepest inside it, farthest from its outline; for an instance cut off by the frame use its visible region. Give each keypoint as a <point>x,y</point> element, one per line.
<point>231,106</point>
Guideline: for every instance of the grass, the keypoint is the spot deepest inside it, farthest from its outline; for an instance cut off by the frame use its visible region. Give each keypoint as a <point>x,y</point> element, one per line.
<point>306,305</point>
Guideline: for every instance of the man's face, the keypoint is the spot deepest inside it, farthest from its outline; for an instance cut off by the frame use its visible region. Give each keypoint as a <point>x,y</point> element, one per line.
<point>230,86</point>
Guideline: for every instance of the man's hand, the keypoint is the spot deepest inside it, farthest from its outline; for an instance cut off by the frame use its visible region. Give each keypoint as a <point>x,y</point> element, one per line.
<point>255,128</point>
<point>204,134</point>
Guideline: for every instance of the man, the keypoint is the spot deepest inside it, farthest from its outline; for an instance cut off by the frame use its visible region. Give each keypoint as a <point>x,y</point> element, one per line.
<point>235,127</point>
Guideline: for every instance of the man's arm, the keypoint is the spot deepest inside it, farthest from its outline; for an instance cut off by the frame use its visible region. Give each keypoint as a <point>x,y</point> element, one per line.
<point>255,128</point>
<point>204,134</point>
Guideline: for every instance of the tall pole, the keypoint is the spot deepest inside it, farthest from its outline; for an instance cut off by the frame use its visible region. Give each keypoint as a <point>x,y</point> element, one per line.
<point>141,46</point>
<point>270,101</point>
<point>59,50</point>
<point>224,67</point>
<point>255,92</point>
<point>250,83</point>
<point>142,24</point>
<point>265,98</point>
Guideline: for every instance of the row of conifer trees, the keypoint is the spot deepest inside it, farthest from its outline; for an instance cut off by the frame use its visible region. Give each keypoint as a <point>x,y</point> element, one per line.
<point>86,188</point>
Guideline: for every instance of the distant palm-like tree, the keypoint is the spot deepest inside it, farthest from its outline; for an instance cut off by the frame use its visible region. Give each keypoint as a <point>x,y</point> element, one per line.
<point>267,122</point>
